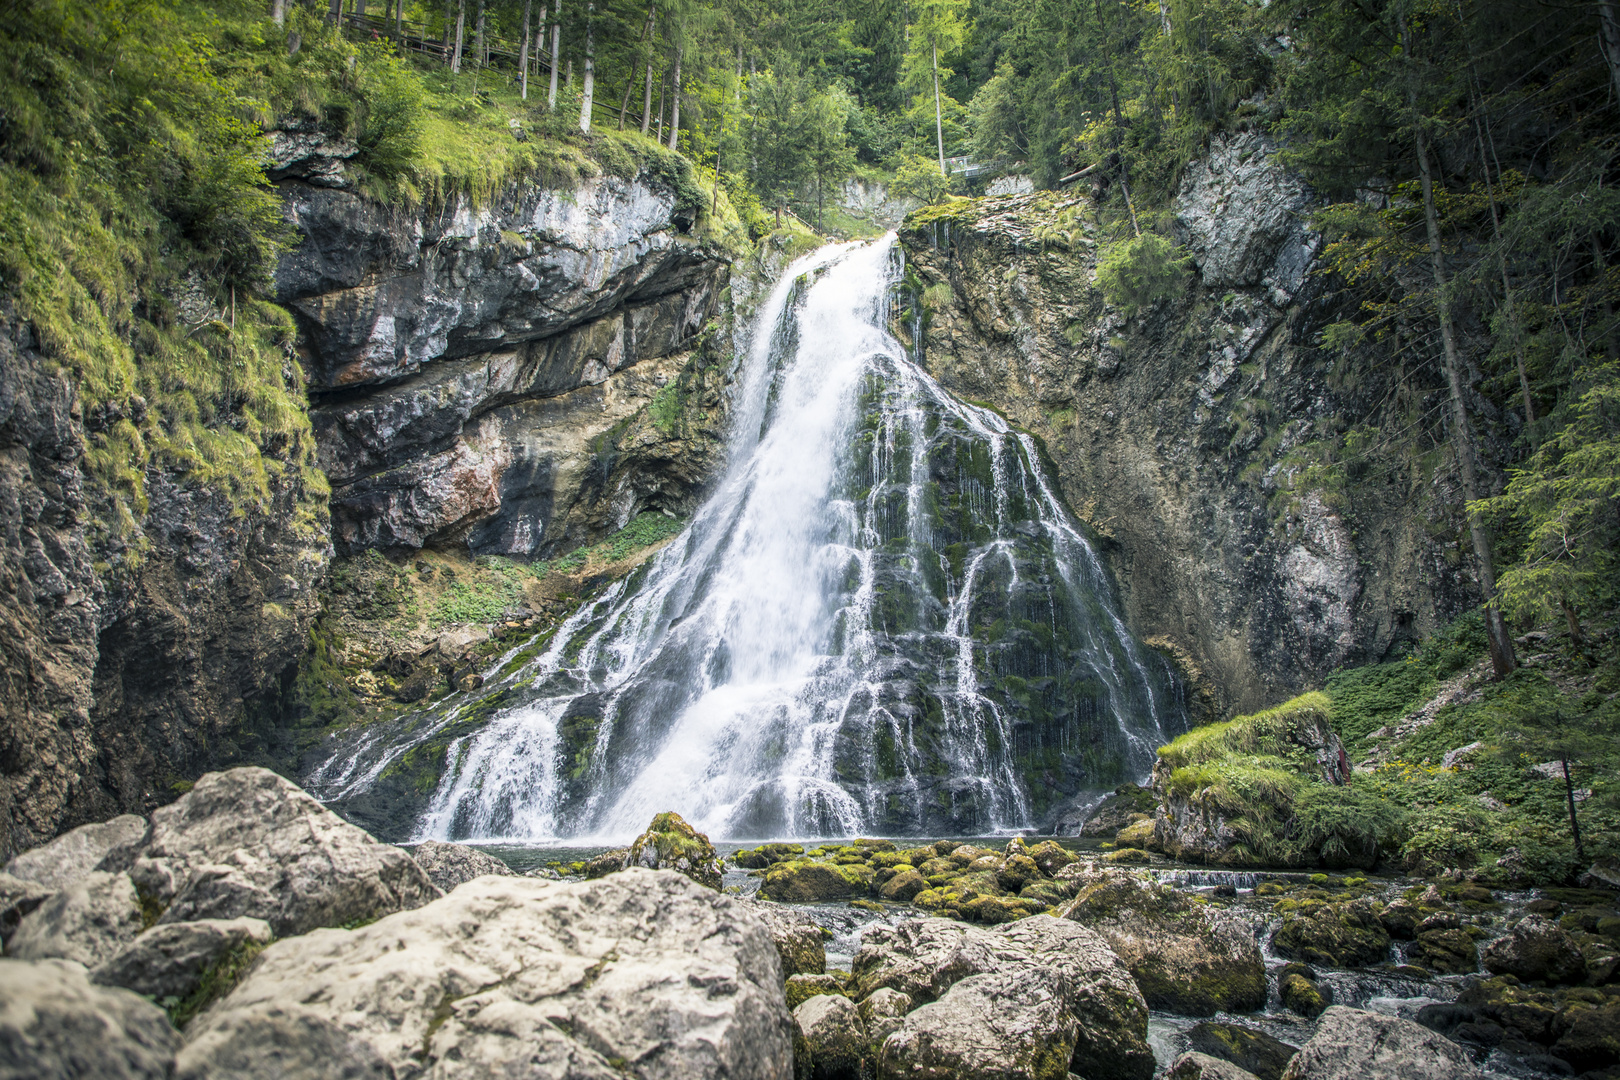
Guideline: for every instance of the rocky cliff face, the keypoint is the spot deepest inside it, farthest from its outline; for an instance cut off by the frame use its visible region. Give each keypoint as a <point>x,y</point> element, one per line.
<point>1203,440</point>
<point>475,369</point>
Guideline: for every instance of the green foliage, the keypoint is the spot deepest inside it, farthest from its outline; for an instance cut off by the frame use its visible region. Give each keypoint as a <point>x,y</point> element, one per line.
<point>1137,273</point>
<point>1265,733</point>
<point>218,980</point>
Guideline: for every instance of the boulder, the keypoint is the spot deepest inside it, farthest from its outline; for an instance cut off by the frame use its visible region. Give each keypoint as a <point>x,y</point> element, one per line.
<point>1196,1066</point>
<point>1185,956</point>
<point>75,853</point>
<point>1333,935</point>
<point>643,974</point>
<point>1138,834</point>
<point>1400,919</point>
<point>799,941</point>
<point>766,854</point>
<point>671,844</point>
<point>925,958</point>
<point>829,1039</point>
<point>1372,1046</point>
<point>56,1025</point>
<point>449,865</point>
<point>903,887</point>
<point>1591,1037</point>
<point>1011,1023</point>
<point>883,1011</point>
<point>17,898</point>
<point>1449,951</point>
<point>1016,872</point>
<point>88,922</point>
<point>1251,1050</point>
<point>609,862</point>
<point>247,842</point>
<point>1536,950</point>
<point>1303,995</point>
<point>801,988</point>
<point>807,882</point>
<point>1050,856</point>
<point>170,960</point>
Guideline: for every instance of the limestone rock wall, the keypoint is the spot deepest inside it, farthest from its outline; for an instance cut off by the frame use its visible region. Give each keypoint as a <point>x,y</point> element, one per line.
<point>1187,436</point>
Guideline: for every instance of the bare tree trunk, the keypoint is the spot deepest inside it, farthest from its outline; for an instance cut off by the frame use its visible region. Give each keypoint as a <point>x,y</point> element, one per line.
<point>1609,33</point>
<point>1574,824</point>
<point>556,48</point>
<point>399,23</point>
<point>449,27</point>
<point>523,50</point>
<point>590,70</point>
<point>939,119</point>
<point>663,92</point>
<point>1501,646</point>
<point>461,27</point>
<point>334,12</point>
<point>675,105</point>
<point>630,84</point>
<point>646,97</point>
<point>278,12</point>
<point>480,44</point>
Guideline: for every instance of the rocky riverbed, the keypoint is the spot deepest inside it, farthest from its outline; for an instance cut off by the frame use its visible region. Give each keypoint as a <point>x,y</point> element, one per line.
<point>246,931</point>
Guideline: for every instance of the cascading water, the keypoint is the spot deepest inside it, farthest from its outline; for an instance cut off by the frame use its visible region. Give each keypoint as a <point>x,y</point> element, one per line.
<point>883,621</point>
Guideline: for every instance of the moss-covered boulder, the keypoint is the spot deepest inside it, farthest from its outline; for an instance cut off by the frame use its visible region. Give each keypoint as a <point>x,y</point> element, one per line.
<point>1138,834</point>
<point>801,988</point>
<point>903,887</point>
<point>1050,856</point>
<point>671,844</point>
<point>1449,951</point>
<point>1248,1048</point>
<point>804,882</point>
<point>1339,935</point>
<point>829,1040</point>
<point>1186,957</point>
<point>1304,995</point>
<point>1537,950</point>
<point>766,855</point>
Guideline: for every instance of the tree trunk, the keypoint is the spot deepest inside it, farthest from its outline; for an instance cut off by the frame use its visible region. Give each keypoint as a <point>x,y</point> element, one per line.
<point>480,45</point>
<point>556,48</point>
<point>675,104</point>
<point>449,27</point>
<point>646,97</point>
<point>1574,823</point>
<point>523,51</point>
<point>939,120</point>
<point>1609,35</point>
<point>630,83</point>
<point>461,28</point>
<point>1501,646</point>
<point>278,12</point>
<point>399,23</point>
<point>590,70</point>
<point>663,92</point>
<point>334,12</point>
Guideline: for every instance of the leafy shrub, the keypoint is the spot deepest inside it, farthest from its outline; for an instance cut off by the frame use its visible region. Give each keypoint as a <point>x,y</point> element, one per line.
<point>919,178</point>
<point>390,136</point>
<point>1137,273</point>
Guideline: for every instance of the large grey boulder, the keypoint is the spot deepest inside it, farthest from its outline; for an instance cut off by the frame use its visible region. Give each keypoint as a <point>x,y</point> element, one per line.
<point>1243,217</point>
<point>75,853</point>
<point>170,960</point>
<point>18,898</point>
<point>1536,950</point>
<point>926,959</point>
<point>1371,1046</point>
<point>248,842</point>
<point>642,973</point>
<point>829,1039</point>
<point>449,865</point>
<point>56,1025</point>
<point>1012,1023</point>
<point>88,922</point>
<point>883,1012</point>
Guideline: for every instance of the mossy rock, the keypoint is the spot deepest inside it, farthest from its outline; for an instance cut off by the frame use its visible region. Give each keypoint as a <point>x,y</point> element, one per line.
<point>1049,893</point>
<point>1050,857</point>
<point>1304,997</point>
<point>609,862</point>
<point>903,887</point>
<point>993,910</point>
<point>1138,834</point>
<point>801,988</point>
<point>1249,1049</point>
<point>1333,935</point>
<point>1016,872</point>
<point>1127,857</point>
<point>671,844</point>
<point>767,855</point>
<point>804,882</point>
<point>1450,952</point>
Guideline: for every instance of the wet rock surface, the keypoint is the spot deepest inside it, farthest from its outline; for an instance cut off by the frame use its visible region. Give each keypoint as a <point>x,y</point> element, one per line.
<point>450,865</point>
<point>1248,1048</point>
<point>1354,1042</point>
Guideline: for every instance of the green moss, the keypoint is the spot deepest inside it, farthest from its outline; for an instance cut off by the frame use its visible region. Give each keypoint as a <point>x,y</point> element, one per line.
<point>217,981</point>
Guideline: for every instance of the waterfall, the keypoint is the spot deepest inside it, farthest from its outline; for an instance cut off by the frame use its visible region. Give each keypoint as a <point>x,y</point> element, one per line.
<point>882,621</point>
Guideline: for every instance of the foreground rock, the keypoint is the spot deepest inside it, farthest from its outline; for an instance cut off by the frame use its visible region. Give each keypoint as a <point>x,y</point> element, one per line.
<point>799,941</point>
<point>449,865</point>
<point>171,960</point>
<point>55,1023</point>
<point>829,1039</point>
<point>1250,1050</point>
<point>247,842</point>
<point>1537,950</point>
<point>74,854</point>
<point>18,898</point>
<point>1195,1066</point>
<point>642,973</point>
<point>1339,935</point>
<point>1371,1046</point>
<point>1039,981</point>
<point>1185,957</point>
<point>88,922</point>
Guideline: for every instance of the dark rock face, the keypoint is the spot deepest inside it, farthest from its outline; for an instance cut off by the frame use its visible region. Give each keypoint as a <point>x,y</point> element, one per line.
<point>1248,1048</point>
<point>475,368</point>
<point>449,865</point>
<point>1175,432</point>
